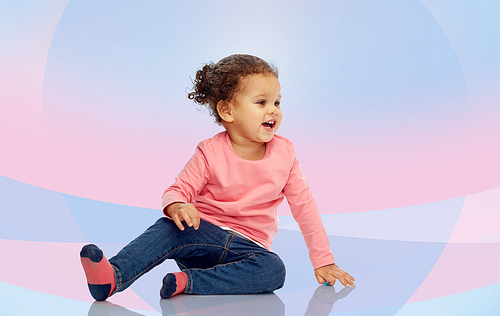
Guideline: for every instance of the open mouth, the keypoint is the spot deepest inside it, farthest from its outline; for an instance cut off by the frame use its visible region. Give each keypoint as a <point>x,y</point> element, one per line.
<point>269,126</point>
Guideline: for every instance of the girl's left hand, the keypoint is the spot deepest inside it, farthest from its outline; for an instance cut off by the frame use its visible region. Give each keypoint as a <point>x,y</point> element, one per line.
<point>331,272</point>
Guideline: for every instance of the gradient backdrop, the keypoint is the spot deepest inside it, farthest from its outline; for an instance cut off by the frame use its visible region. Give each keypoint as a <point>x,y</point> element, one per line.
<point>393,106</point>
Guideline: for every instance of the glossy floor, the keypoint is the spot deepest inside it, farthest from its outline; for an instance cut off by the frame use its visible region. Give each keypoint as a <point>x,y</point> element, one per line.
<point>431,259</point>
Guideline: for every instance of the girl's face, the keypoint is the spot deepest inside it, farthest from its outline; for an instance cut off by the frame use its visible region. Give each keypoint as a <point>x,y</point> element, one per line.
<point>255,109</point>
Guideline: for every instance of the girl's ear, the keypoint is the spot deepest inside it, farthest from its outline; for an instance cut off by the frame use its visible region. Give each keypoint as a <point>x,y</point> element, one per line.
<point>224,110</point>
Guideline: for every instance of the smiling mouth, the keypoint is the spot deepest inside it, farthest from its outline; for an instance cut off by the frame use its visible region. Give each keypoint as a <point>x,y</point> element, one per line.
<point>269,126</point>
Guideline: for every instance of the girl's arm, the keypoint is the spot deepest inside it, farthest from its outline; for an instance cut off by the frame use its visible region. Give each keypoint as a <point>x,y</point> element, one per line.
<point>306,213</point>
<point>178,198</point>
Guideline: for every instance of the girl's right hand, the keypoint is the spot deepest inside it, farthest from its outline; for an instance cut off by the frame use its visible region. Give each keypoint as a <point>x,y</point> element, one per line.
<point>186,212</point>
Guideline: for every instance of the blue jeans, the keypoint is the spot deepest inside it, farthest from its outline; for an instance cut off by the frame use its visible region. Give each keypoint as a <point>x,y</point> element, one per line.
<point>215,261</point>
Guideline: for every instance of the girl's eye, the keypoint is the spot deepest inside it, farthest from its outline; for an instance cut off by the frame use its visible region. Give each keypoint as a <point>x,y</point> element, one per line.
<point>261,102</point>
<point>277,104</point>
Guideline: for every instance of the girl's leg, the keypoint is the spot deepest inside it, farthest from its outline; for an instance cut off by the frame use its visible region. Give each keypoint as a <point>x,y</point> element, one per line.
<point>163,240</point>
<point>244,268</point>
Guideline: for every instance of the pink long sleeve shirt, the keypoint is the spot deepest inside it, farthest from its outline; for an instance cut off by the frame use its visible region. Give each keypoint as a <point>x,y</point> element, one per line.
<point>243,195</point>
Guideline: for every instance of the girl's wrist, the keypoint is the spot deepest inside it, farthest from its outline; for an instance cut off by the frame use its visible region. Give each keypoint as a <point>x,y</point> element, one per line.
<point>170,208</point>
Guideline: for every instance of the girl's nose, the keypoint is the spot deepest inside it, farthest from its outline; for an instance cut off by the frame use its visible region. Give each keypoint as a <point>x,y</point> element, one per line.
<point>273,109</point>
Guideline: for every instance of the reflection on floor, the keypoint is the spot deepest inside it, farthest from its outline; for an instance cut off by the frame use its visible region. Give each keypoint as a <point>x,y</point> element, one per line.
<point>408,261</point>
<point>320,303</point>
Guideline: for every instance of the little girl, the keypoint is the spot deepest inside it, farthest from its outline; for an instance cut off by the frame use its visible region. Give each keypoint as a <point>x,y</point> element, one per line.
<point>221,212</point>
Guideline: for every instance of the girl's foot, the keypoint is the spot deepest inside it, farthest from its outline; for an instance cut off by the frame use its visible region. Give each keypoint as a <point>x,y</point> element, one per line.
<point>173,284</point>
<point>99,272</point>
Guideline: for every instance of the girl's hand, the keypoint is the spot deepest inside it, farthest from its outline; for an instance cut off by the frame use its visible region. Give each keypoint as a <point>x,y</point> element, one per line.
<point>186,212</point>
<point>331,272</point>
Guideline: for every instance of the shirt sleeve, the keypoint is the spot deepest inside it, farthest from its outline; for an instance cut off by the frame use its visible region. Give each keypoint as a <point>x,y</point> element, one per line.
<point>190,181</point>
<point>306,214</point>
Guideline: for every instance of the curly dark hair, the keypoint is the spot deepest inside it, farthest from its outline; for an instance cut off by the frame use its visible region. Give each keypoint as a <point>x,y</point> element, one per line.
<point>220,81</point>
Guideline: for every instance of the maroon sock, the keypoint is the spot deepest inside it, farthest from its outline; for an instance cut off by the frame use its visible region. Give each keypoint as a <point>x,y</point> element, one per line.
<point>173,284</point>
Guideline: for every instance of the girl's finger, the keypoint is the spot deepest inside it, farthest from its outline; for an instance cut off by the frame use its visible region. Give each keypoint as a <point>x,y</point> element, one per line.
<point>347,281</point>
<point>177,221</point>
<point>196,223</point>
<point>350,276</point>
<point>186,217</point>
<point>330,278</point>
<point>332,282</point>
<point>341,278</point>
<point>194,216</point>
<point>197,220</point>
<point>344,282</point>
<point>320,279</point>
